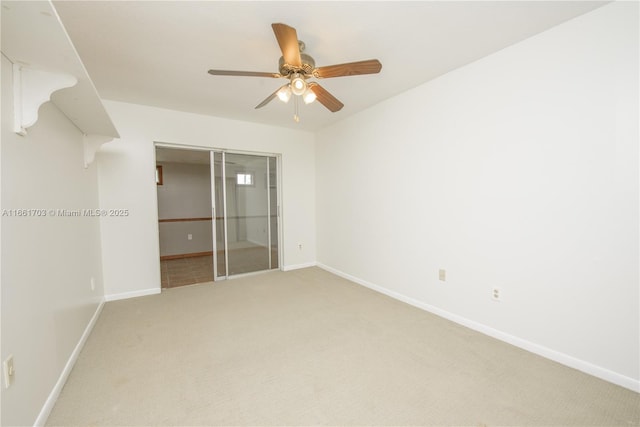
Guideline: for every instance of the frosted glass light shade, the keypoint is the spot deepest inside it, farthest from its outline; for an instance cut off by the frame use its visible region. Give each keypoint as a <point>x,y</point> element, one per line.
<point>298,85</point>
<point>309,96</point>
<point>284,94</point>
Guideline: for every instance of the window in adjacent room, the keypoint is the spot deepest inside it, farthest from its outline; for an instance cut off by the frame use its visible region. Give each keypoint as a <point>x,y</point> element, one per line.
<point>244,179</point>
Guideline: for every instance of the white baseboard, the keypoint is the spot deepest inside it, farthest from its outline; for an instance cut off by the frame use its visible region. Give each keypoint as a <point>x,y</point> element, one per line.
<point>132,294</point>
<point>299,266</point>
<point>556,356</point>
<point>53,396</point>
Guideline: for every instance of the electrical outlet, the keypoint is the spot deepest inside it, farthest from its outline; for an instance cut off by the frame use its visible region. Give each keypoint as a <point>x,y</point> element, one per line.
<point>442,275</point>
<point>93,284</point>
<point>9,371</point>
<point>189,236</point>
<point>496,294</point>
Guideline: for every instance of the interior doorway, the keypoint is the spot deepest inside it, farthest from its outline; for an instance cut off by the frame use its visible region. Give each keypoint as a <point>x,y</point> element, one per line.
<point>218,214</point>
<point>184,216</point>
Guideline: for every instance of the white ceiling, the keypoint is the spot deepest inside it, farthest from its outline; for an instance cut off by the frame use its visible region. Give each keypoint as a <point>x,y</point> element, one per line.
<point>158,53</point>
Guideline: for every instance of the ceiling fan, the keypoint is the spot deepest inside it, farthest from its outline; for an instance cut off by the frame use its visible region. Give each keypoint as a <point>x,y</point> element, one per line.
<point>297,67</point>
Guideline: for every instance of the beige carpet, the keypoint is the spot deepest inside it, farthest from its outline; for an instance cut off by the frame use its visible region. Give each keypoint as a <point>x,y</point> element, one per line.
<point>309,348</point>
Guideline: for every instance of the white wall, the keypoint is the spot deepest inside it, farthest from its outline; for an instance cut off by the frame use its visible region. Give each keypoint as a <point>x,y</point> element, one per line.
<point>174,237</point>
<point>185,193</point>
<point>127,180</point>
<point>47,261</point>
<point>518,171</point>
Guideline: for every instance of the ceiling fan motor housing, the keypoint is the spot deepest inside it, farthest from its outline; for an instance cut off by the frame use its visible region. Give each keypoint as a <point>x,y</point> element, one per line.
<point>308,65</point>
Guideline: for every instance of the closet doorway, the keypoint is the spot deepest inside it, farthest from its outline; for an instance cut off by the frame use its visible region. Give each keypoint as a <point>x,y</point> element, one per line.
<point>218,214</point>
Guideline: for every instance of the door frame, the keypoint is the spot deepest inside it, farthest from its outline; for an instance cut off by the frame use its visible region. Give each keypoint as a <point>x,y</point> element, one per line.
<point>212,151</point>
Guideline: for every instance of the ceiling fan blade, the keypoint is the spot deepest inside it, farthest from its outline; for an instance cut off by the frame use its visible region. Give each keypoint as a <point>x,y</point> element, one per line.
<point>288,41</point>
<point>269,98</point>
<point>370,66</point>
<point>243,73</point>
<point>325,98</point>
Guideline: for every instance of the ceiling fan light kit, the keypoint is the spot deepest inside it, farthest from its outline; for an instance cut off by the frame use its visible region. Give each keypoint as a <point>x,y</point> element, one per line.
<point>298,84</point>
<point>284,93</point>
<point>297,67</point>
<point>308,96</point>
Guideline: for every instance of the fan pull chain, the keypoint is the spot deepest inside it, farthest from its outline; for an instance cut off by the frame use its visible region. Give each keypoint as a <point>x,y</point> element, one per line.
<point>296,117</point>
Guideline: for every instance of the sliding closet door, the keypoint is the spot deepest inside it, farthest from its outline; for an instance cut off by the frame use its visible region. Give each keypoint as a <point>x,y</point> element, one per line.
<point>247,196</point>
<point>218,214</point>
<point>273,210</point>
<point>220,254</point>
